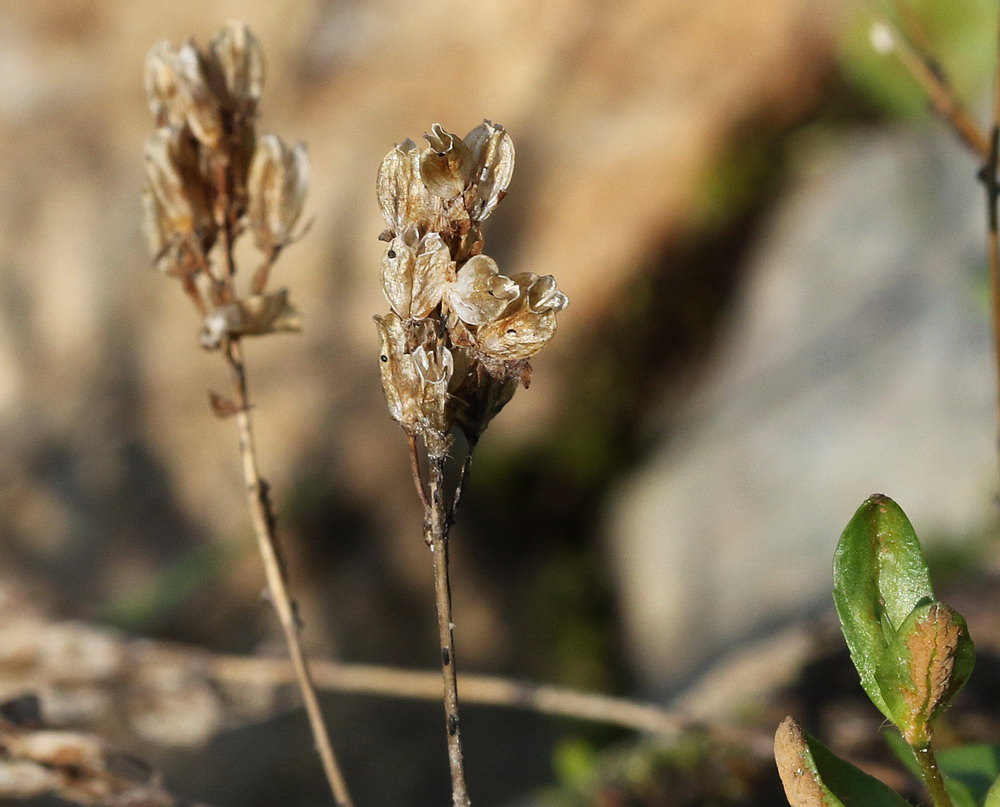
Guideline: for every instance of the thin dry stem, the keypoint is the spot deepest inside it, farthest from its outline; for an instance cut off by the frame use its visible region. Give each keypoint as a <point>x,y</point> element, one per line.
<point>989,178</point>
<point>940,94</point>
<point>436,535</point>
<point>263,523</point>
<point>483,690</point>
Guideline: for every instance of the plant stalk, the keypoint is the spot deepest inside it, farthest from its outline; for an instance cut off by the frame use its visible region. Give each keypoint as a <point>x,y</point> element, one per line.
<point>276,575</point>
<point>931,774</point>
<point>436,526</point>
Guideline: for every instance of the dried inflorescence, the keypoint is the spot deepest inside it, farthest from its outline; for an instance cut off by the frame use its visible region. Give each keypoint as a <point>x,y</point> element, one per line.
<point>209,178</point>
<point>460,334</point>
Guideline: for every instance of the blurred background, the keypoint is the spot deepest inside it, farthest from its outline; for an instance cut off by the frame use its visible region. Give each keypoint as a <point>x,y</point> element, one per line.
<point>779,305</point>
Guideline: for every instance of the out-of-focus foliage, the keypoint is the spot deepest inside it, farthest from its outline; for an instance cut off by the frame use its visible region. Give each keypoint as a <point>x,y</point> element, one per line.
<point>960,33</point>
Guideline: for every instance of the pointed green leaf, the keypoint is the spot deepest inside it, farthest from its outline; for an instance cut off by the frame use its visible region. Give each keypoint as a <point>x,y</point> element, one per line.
<point>813,776</point>
<point>879,577</point>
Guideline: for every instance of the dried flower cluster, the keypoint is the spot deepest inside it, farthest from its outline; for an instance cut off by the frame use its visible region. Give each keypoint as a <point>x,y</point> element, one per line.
<point>209,178</point>
<point>460,334</point>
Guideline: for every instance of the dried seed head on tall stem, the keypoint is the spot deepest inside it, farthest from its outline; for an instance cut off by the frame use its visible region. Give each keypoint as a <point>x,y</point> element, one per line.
<point>209,180</point>
<point>459,336</point>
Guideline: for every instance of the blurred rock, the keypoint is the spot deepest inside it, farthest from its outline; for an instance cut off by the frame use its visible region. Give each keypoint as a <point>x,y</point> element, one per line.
<point>857,360</point>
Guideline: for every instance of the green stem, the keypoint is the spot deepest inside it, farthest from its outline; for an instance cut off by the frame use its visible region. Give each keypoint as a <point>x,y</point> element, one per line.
<point>931,774</point>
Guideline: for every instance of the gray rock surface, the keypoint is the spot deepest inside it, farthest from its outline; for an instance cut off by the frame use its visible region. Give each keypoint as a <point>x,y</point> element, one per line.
<point>857,360</point>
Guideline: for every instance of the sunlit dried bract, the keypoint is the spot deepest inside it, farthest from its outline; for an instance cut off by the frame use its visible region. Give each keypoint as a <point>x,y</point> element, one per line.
<point>277,188</point>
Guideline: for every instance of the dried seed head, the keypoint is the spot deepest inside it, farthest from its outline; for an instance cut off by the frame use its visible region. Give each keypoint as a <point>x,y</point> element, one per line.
<point>416,369</point>
<point>174,179</point>
<point>239,58</point>
<point>277,188</point>
<point>493,166</point>
<point>446,165</point>
<point>255,315</point>
<point>402,197</point>
<point>414,271</point>
<point>162,86</point>
<point>480,293</point>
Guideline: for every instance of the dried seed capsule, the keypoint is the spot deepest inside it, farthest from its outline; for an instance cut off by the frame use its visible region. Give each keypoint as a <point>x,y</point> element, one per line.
<point>493,166</point>
<point>199,103</point>
<point>162,85</point>
<point>480,293</point>
<point>446,164</point>
<point>277,188</point>
<point>414,271</point>
<point>402,197</point>
<point>173,177</point>
<point>237,56</point>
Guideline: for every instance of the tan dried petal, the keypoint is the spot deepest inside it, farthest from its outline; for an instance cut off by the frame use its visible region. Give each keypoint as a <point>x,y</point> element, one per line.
<point>239,58</point>
<point>445,166</point>
<point>402,197</point>
<point>517,336</point>
<point>256,315</point>
<point>480,293</point>
<point>401,381</point>
<point>492,152</point>
<point>277,188</point>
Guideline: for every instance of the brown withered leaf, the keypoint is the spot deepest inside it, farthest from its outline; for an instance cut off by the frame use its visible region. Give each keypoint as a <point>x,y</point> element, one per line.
<point>222,407</point>
<point>256,315</point>
<point>798,776</point>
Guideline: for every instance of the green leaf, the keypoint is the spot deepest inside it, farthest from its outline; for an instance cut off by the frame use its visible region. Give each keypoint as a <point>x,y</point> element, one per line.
<point>976,767</point>
<point>993,795</point>
<point>879,577</point>
<point>813,776</point>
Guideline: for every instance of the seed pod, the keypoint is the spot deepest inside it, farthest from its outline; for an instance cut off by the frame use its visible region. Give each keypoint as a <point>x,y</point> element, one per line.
<point>493,166</point>
<point>277,188</point>
<point>162,85</point>
<point>200,105</point>
<point>416,370</point>
<point>414,271</point>
<point>239,59</point>
<point>480,293</point>
<point>402,197</point>
<point>446,165</point>
<point>173,177</point>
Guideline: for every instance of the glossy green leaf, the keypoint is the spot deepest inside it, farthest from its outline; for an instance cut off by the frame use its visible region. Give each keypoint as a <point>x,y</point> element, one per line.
<point>813,776</point>
<point>879,577</point>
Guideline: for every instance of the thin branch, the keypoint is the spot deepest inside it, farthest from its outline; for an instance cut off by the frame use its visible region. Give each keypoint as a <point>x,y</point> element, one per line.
<point>989,178</point>
<point>929,75</point>
<point>264,528</point>
<point>436,535</point>
<point>482,690</point>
